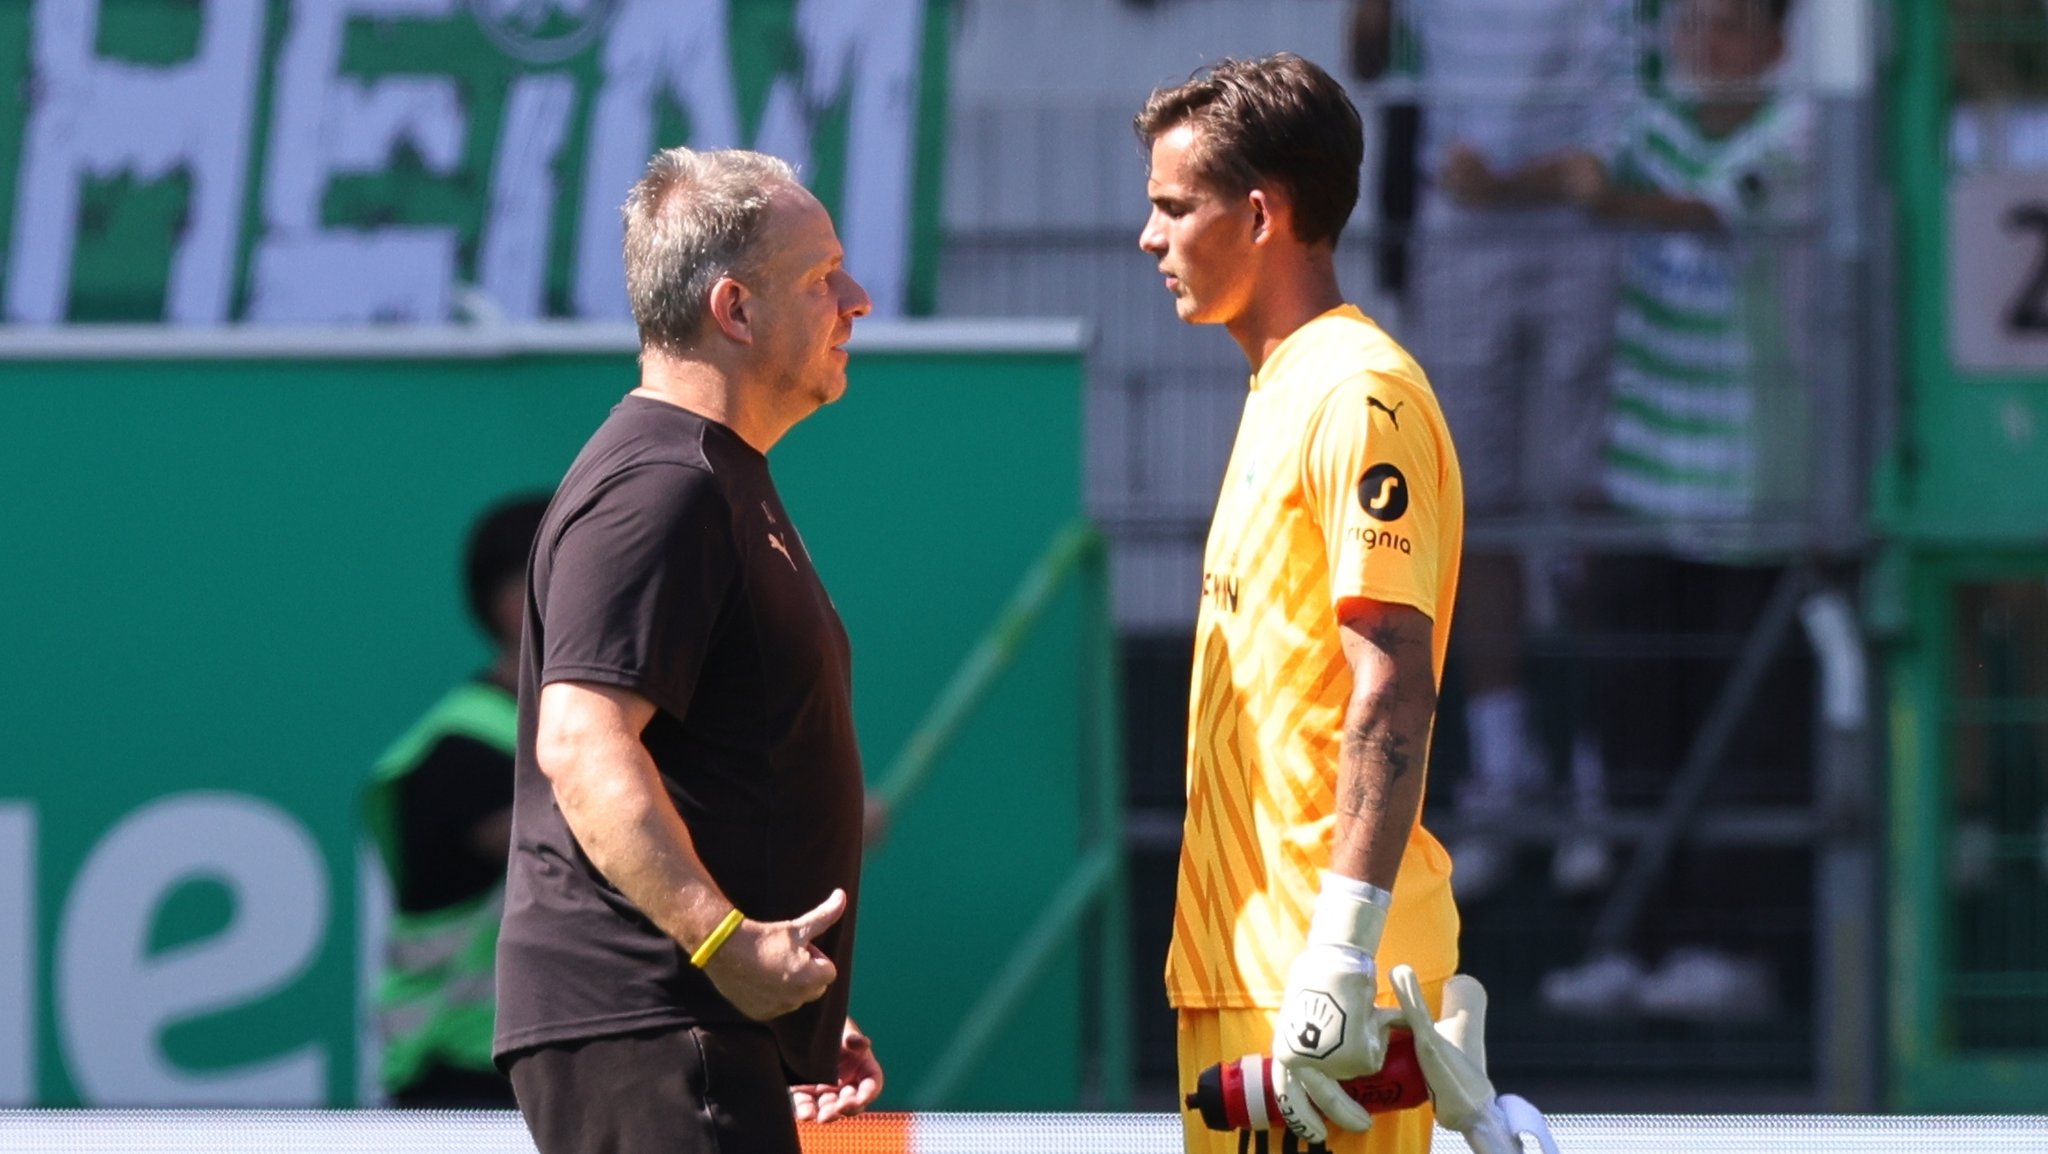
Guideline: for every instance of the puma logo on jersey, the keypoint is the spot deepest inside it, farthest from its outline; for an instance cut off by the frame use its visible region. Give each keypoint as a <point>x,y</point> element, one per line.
<point>776,544</point>
<point>1393,414</point>
<point>1383,493</point>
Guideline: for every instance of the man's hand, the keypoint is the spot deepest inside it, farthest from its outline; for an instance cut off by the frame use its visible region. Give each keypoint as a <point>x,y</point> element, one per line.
<point>1467,178</point>
<point>767,969</point>
<point>860,1082</point>
<point>1329,1029</point>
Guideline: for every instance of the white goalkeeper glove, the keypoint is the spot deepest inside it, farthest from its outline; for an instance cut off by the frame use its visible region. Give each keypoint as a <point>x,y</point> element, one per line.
<point>1329,1029</point>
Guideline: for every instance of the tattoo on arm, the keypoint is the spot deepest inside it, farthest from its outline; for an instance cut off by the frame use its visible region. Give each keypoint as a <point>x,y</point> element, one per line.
<point>1384,741</point>
<point>1372,740</point>
<point>1386,637</point>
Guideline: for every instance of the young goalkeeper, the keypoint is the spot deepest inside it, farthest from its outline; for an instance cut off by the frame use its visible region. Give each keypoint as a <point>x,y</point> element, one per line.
<point>1328,584</point>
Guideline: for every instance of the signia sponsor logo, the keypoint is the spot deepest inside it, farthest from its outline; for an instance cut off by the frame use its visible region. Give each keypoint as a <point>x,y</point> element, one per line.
<point>1381,539</point>
<point>1383,492</point>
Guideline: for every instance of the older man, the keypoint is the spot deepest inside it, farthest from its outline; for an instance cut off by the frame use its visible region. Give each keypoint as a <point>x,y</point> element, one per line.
<point>678,936</point>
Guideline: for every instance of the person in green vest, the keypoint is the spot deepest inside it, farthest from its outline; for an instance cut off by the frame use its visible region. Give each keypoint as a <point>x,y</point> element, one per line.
<point>439,806</point>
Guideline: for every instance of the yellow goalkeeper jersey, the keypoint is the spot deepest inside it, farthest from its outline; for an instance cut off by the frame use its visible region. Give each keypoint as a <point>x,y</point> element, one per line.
<point>1343,485</point>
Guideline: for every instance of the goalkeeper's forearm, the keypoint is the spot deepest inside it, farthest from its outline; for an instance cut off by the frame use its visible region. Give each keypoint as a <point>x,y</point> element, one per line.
<point>1382,762</point>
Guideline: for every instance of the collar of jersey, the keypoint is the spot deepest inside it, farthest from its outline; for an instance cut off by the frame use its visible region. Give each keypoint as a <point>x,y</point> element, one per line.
<point>1291,347</point>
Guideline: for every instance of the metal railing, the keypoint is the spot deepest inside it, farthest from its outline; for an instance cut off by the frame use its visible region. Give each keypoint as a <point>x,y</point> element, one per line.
<point>1095,886</point>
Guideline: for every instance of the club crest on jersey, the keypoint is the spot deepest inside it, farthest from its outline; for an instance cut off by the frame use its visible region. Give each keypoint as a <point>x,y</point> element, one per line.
<point>1314,1024</point>
<point>1383,493</point>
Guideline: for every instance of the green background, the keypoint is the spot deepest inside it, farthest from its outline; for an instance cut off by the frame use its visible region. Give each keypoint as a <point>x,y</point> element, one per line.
<point>242,575</point>
<point>1960,499</point>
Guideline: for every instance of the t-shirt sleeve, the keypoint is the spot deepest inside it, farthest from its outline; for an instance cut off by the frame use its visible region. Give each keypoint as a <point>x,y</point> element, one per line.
<point>1371,477</point>
<point>636,583</point>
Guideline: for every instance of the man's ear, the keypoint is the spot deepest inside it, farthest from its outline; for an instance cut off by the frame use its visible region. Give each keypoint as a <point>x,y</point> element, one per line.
<point>732,310</point>
<point>1267,211</point>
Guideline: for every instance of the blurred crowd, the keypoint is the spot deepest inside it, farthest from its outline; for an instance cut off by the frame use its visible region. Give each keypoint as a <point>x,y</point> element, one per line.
<point>1594,219</point>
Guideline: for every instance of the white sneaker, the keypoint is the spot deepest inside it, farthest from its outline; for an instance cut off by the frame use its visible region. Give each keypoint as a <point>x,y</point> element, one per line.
<point>1581,864</point>
<point>1702,984</point>
<point>1603,987</point>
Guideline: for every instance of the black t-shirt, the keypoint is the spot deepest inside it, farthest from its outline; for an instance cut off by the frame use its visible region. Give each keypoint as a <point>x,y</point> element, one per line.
<point>666,565</point>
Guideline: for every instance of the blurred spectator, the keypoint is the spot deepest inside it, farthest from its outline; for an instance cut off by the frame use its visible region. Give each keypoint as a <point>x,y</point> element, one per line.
<point>1508,303</point>
<point>439,805</point>
<point>1706,426</point>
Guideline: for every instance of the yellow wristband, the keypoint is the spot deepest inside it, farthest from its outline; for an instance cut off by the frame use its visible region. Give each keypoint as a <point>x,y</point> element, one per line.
<point>725,928</point>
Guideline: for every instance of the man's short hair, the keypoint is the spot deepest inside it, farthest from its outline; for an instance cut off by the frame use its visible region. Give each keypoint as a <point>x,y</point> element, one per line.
<point>1277,118</point>
<point>693,218</point>
<point>499,544</point>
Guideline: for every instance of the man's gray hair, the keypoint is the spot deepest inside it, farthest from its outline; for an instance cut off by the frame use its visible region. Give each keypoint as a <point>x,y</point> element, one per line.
<point>695,217</point>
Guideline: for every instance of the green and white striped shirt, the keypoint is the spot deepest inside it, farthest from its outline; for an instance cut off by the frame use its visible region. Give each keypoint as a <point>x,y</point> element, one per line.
<point>1707,422</point>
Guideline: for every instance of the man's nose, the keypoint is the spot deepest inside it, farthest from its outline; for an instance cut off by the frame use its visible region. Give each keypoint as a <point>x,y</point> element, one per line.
<point>1152,238</point>
<point>853,300</point>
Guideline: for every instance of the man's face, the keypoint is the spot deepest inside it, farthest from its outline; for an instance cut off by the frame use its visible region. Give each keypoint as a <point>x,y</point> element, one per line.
<point>1201,236</point>
<point>805,303</point>
<point>1724,42</point>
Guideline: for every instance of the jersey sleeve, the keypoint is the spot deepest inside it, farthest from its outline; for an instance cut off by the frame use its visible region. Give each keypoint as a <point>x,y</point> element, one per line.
<point>637,583</point>
<point>1373,487</point>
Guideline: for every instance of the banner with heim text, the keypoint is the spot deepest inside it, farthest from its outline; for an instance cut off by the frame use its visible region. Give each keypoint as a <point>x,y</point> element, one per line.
<point>206,162</point>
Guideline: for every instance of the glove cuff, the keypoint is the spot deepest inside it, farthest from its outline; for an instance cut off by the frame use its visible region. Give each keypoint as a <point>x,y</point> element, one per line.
<point>1349,913</point>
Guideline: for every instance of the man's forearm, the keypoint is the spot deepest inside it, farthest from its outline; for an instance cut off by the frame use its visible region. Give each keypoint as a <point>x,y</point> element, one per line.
<point>1384,753</point>
<point>612,799</point>
<point>1658,210</point>
<point>1382,765</point>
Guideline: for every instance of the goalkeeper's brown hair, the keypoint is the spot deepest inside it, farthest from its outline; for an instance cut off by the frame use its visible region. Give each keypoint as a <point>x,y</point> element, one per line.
<point>1274,120</point>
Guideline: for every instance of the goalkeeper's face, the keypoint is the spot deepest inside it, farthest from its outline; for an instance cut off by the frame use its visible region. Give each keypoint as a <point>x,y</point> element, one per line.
<point>1201,235</point>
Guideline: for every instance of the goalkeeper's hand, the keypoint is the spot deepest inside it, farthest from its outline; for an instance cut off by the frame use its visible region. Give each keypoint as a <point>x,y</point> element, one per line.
<point>1329,1029</point>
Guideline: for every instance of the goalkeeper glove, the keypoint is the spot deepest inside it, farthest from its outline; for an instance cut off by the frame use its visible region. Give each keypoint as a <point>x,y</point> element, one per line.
<point>1329,1029</point>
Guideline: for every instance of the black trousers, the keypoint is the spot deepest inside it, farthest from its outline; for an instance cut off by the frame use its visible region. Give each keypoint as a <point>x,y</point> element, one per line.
<point>715,1089</point>
<point>448,1088</point>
